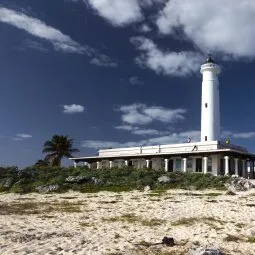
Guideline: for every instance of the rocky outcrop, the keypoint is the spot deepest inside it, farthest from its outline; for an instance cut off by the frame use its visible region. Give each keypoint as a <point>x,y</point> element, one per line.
<point>84,179</point>
<point>7,183</point>
<point>164,179</point>
<point>204,251</point>
<point>97,181</point>
<point>77,179</point>
<point>47,188</point>
<point>239,184</point>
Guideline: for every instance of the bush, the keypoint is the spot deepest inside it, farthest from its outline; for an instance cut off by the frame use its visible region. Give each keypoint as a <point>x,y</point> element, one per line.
<point>115,179</point>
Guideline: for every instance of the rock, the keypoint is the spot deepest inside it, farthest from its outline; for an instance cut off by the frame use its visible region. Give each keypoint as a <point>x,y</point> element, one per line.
<point>77,179</point>
<point>47,188</point>
<point>204,251</point>
<point>147,188</point>
<point>169,241</point>
<point>239,184</point>
<point>96,181</point>
<point>164,179</point>
<point>6,183</point>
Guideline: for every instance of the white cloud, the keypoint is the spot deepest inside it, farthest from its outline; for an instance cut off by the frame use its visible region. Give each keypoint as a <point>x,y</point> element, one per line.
<point>60,41</point>
<point>137,131</point>
<point>103,60</point>
<point>118,13</point>
<point>74,108</point>
<point>126,128</point>
<point>121,12</point>
<point>34,45</point>
<point>162,62</point>
<point>21,137</point>
<point>39,29</point>
<point>247,135</point>
<point>147,132</point>
<point>144,28</point>
<point>24,136</point>
<point>214,26</point>
<point>243,135</point>
<point>141,114</point>
<point>135,80</point>
<point>169,139</point>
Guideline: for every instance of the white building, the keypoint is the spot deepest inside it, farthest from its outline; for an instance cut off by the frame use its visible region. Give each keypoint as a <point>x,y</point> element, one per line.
<point>210,155</point>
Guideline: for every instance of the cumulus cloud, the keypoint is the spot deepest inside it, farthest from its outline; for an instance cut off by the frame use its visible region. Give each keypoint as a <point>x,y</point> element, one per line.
<point>211,25</point>
<point>21,137</point>
<point>74,108</point>
<point>141,114</point>
<point>121,12</point>
<point>118,13</point>
<point>134,80</point>
<point>144,28</point>
<point>169,139</point>
<point>103,60</point>
<point>163,62</point>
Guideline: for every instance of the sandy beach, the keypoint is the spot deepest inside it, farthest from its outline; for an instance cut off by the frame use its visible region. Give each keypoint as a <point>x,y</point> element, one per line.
<point>124,223</point>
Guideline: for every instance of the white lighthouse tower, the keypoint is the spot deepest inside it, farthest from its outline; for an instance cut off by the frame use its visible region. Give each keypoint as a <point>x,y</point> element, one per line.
<point>210,105</point>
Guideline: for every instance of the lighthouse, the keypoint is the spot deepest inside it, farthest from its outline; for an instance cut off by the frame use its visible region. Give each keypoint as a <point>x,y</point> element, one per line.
<point>210,103</point>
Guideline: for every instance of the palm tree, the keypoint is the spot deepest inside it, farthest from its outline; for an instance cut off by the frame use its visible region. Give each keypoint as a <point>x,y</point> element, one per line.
<point>42,163</point>
<point>59,147</point>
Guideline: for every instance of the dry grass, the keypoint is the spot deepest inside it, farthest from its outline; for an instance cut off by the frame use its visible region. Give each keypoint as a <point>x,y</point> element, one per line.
<point>213,194</point>
<point>132,218</point>
<point>231,238</point>
<point>192,220</point>
<point>27,208</point>
<point>251,239</point>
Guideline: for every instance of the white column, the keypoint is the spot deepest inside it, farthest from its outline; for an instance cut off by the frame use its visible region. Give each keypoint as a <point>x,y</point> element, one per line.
<point>85,163</point>
<point>226,165</point>
<point>184,165</point>
<point>166,164</point>
<point>74,164</point>
<point>111,164</point>
<point>236,166</point>
<point>147,163</point>
<point>98,164</point>
<point>89,165</point>
<point>205,165</point>
<point>126,162</point>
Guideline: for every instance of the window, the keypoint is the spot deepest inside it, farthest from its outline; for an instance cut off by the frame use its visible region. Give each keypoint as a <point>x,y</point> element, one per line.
<point>206,105</point>
<point>190,164</point>
<point>209,162</point>
<point>178,163</point>
<point>206,138</point>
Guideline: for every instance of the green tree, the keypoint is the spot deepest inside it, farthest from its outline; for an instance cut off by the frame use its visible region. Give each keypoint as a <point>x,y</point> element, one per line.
<point>58,148</point>
<point>42,163</point>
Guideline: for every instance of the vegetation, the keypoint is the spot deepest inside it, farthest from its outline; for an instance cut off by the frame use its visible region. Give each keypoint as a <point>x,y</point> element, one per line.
<point>115,179</point>
<point>57,148</point>
<point>132,218</point>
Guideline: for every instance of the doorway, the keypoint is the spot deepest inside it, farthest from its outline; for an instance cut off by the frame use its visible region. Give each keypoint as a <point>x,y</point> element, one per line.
<point>199,165</point>
<point>170,165</point>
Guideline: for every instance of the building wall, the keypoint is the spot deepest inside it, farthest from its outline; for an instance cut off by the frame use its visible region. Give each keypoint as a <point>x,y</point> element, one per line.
<point>168,148</point>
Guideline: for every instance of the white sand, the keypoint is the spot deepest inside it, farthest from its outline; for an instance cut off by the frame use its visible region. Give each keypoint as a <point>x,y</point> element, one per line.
<point>56,232</point>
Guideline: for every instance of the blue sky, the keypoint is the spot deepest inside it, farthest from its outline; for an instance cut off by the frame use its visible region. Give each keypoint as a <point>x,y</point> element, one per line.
<point>112,73</point>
